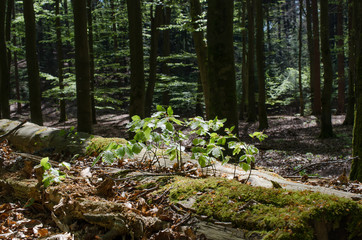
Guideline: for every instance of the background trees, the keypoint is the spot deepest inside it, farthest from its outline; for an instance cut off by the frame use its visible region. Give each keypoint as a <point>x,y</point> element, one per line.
<point>131,43</point>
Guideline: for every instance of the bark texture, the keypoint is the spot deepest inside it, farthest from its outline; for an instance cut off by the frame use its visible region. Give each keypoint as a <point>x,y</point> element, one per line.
<point>326,117</point>
<point>32,63</point>
<point>221,67</point>
<point>137,100</point>
<point>82,67</point>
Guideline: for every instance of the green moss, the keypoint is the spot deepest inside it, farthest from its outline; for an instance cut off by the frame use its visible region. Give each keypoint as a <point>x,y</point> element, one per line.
<point>98,144</point>
<point>282,214</point>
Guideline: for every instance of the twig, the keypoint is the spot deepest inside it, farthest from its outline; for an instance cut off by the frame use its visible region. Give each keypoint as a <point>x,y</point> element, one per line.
<point>321,163</point>
<point>13,130</point>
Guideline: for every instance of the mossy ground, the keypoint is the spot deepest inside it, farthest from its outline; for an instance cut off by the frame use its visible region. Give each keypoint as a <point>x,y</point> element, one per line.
<point>99,144</point>
<point>278,214</point>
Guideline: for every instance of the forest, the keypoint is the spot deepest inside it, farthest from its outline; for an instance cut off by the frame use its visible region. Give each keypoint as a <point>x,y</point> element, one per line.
<point>175,109</point>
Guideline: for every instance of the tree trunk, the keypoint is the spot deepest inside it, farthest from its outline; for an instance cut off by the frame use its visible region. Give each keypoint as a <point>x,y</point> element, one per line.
<point>137,100</point>
<point>91,56</point>
<point>316,81</point>
<point>201,51</point>
<point>82,67</point>
<point>351,66</point>
<point>356,169</point>
<point>223,103</point>
<point>260,58</point>
<point>4,69</point>
<point>16,69</point>
<point>251,79</point>
<point>340,58</point>
<point>63,115</point>
<point>310,50</point>
<point>166,51</point>
<point>32,63</point>
<point>155,32</point>
<point>244,66</point>
<point>301,98</point>
<point>326,117</point>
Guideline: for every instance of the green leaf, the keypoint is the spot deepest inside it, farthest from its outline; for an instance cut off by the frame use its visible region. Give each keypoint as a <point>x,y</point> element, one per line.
<point>108,157</point>
<point>160,108</point>
<point>137,148</point>
<point>147,133</point>
<point>246,167</point>
<point>44,162</point>
<point>216,152</point>
<point>169,126</point>
<point>65,164</point>
<point>120,152</point>
<point>169,111</point>
<point>136,118</point>
<point>202,161</point>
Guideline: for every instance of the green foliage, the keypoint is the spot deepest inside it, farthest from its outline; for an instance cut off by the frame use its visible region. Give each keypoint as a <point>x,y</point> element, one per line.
<point>52,175</point>
<point>160,131</point>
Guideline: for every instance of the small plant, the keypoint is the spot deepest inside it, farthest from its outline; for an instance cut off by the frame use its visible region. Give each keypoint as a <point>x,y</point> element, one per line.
<point>163,132</point>
<point>51,174</point>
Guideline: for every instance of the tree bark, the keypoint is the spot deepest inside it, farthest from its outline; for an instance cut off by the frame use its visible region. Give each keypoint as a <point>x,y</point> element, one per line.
<point>244,66</point>
<point>82,67</point>
<point>316,81</point>
<point>340,58</point>
<point>201,51</point>
<point>91,60</point>
<point>155,32</point>
<point>349,120</point>
<point>251,79</point>
<point>63,115</point>
<point>356,169</point>
<point>310,50</point>
<point>16,69</point>
<point>32,63</point>
<point>223,103</point>
<point>137,100</point>
<point>4,66</point>
<point>301,98</point>
<point>260,58</point>
<point>326,117</point>
<point>166,51</point>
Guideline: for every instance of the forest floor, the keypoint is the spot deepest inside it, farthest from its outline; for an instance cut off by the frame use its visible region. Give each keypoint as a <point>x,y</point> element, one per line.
<point>292,142</point>
<point>292,150</point>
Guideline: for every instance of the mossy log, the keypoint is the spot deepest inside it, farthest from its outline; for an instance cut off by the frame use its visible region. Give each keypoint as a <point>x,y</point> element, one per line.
<point>34,138</point>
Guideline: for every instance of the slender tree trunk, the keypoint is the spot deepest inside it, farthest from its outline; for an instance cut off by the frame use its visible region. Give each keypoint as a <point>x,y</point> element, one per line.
<point>223,103</point>
<point>301,98</point>
<point>82,67</point>
<point>316,108</point>
<point>201,51</point>
<point>32,63</point>
<point>351,66</point>
<point>244,66</point>
<point>251,79</point>
<point>199,109</point>
<point>63,116</point>
<point>4,70</point>
<point>310,51</point>
<point>155,32</point>
<point>326,117</point>
<point>356,168</point>
<point>114,29</point>
<point>260,58</point>
<point>137,101</point>
<point>340,59</point>
<point>91,56</point>
<point>166,51</point>
<point>16,69</point>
